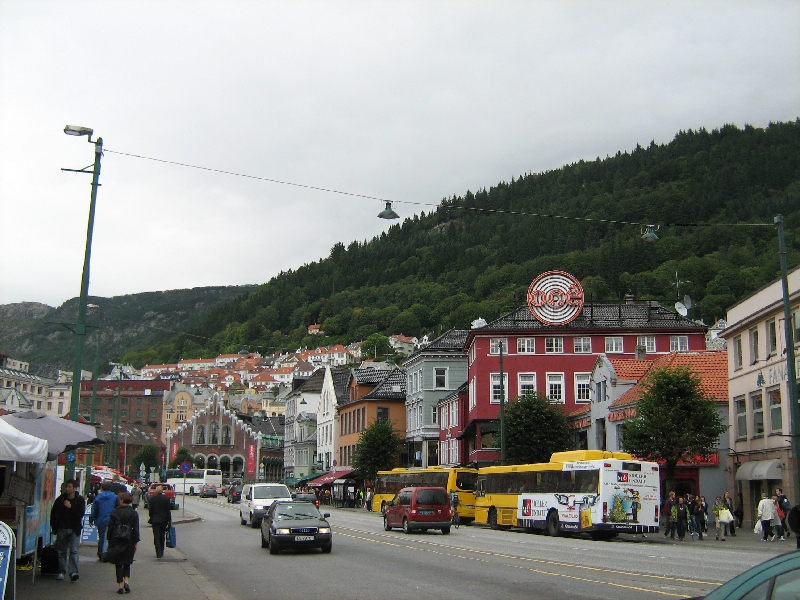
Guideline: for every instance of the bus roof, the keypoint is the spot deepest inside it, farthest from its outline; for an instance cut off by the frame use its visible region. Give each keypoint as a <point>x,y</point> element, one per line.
<point>521,468</point>
<point>579,455</point>
<point>427,470</point>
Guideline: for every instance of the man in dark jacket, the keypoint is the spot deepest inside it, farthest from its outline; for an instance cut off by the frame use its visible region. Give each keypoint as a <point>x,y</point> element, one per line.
<point>102,507</point>
<point>66,520</point>
<point>160,519</point>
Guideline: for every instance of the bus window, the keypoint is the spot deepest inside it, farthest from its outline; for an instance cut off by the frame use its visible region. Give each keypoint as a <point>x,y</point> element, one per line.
<point>466,480</point>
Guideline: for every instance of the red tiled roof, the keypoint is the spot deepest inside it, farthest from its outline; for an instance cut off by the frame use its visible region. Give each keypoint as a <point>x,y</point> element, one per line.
<point>629,369</point>
<point>711,367</point>
<point>577,412</point>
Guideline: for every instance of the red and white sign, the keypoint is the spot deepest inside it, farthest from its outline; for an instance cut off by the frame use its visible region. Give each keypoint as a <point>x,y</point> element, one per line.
<point>251,459</point>
<point>555,298</point>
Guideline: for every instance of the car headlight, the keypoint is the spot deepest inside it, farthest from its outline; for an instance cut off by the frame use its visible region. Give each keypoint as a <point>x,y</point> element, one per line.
<point>282,531</point>
<point>324,530</point>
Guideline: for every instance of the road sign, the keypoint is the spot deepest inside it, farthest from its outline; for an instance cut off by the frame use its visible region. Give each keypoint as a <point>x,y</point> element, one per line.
<point>185,467</point>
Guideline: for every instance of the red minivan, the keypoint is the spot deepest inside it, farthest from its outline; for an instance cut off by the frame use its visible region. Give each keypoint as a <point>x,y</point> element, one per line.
<point>419,508</point>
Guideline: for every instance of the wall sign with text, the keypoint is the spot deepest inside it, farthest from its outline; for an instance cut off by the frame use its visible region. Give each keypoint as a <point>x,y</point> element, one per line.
<point>555,298</point>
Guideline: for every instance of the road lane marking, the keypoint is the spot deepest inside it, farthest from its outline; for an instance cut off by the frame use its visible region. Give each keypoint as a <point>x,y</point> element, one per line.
<point>542,561</point>
<point>531,569</point>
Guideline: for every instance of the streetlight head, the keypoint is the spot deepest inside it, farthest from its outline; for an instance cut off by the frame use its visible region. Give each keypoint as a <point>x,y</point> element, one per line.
<point>76,130</point>
<point>388,213</point>
<point>650,234</point>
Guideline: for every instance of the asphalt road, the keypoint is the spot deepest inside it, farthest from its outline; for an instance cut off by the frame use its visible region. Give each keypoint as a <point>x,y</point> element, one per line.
<point>472,562</point>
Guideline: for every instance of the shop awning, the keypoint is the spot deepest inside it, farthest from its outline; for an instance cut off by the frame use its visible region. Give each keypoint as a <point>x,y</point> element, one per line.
<point>329,478</point>
<point>760,470</point>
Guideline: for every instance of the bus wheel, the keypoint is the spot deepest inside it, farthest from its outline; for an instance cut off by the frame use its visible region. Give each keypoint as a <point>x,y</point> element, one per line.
<point>552,524</point>
<point>493,519</point>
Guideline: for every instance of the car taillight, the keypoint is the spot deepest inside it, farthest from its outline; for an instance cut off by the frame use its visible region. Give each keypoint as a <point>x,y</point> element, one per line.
<point>656,514</point>
<point>605,512</point>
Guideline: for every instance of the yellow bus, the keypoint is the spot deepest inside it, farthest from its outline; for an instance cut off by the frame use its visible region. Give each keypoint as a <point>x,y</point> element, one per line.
<point>458,480</point>
<point>592,491</point>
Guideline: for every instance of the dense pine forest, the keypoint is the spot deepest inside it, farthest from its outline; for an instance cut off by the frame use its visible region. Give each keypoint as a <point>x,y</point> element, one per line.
<point>475,254</point>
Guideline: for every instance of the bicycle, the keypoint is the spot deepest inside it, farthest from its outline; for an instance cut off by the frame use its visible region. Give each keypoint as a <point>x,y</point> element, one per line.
<point>456,518</point>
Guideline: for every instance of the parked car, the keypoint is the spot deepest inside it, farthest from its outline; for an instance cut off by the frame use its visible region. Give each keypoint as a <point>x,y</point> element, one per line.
<point>209,490</point>
<point>257,498</point>
<point>169,492</point>
<point>234,493</point>
<point>778,577</point>
<point>419,508</point>
<point>306,497</point>
<point>295,524</point>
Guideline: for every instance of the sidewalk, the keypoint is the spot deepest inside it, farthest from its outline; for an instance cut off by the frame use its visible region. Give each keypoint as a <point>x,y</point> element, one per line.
<point>744,539</point>
<point>171,577</point>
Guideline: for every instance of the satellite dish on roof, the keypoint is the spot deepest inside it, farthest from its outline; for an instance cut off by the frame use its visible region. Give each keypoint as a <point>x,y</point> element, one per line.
<point>681,308</point>
<point>688,302</point>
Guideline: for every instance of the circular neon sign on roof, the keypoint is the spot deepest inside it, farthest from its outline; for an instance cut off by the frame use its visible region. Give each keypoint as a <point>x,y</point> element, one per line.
<point>555,298</point>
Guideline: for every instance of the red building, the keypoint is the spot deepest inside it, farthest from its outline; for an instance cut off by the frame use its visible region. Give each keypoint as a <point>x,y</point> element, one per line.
<point>550,346</point>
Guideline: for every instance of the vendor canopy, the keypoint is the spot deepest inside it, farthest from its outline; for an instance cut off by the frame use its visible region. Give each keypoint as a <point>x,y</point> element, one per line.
<point>18,446</point>
<point>61,435</point>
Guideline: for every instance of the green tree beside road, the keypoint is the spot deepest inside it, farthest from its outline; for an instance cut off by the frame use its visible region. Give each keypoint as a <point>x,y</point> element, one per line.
<point>181,455</point>
<point>534,430</point>
<point>377,449</point>
<point>674,421</point>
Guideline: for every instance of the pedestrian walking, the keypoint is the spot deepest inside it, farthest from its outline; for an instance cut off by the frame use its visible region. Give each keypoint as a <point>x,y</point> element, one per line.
<point>784,507</point>
<point>719,506</point>
<point>704,504</point>
<point>136,496</point>
<point>160,519</point>
<point>117,486</point>
<point>766,514</point>
<point>123,536</point>
<point>692,526</point>
<point>102,507</point>
<point>66,519</point>
<point>680,513</point>
<point>668,506</point>
<point>728,502</point>
<point>698,513</point>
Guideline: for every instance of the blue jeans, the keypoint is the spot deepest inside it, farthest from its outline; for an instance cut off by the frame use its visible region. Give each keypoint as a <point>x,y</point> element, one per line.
<point>67,544</point>
<point>102,531</point>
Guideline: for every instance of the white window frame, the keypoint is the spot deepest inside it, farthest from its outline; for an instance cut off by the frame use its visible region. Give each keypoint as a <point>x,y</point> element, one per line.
<point>678,343</point>
<point>753,338</point>
<point>554,345</point>
<point>435,416</point>
<point>772,338</point>
<point>454,451</point>
<point>648,341</point>
<point>526,345</point>
<point>454,413</point>
<point>738,359</point>
<point>561,382</point>
<point>583,381</point>
<point>494,382</point>
<point>444,421</point>
<point>579,347</point>
<point>494,346</point>
<point>444,451</point>
<point>445,373</point>
<point>614,345</point>
<point>775,408</point>
<point>521,384</point>
<point>472,399</point>
<point>757,396</point>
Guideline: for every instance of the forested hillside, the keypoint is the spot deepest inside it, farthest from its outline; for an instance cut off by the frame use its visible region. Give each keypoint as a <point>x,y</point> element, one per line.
<point>34,332</point>
<point>474,255</point>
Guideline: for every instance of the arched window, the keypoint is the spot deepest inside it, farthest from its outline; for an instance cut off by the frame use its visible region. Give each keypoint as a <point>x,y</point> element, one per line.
<point>123,413</point>
<point>201,434</point>
<point>214,433</point>
<point>138,413</point>
<point>226,435</point>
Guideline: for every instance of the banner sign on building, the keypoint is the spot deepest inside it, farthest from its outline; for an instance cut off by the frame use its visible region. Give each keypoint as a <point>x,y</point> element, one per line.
<point>555,298</point>
<point>251,459</point>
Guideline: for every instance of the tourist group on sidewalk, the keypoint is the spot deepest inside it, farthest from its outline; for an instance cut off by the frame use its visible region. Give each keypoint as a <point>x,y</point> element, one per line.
<point>692,515</point>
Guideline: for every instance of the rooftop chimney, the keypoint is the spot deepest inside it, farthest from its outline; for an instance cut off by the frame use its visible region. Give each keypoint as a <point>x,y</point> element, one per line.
<point>629,297</point>
<point>641,352</point>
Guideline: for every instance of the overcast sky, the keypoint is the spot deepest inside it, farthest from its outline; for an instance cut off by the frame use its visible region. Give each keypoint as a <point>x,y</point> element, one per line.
<point>411,101</point>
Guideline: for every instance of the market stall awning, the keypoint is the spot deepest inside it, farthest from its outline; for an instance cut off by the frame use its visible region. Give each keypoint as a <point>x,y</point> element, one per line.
<point>61,435</point>
<point>329,478</point>
<point>18,446</point>
<point>760,470</point>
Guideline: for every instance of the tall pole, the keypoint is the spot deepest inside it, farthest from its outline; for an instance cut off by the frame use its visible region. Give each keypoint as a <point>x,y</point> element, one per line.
<point>90,455</point>
<point>791,373</point>
<point>502,410</point>
<point>80,326</point>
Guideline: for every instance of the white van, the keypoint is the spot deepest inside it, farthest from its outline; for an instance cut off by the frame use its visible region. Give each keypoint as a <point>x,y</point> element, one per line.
<point>257,498</point>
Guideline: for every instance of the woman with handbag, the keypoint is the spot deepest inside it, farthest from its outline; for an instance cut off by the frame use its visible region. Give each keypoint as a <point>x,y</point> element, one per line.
<point>123,535</point>
<point>728,502</point>
<point>722,516</point>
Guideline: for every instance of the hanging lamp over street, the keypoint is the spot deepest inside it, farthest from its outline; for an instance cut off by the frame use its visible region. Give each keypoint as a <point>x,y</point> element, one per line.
<point>650,234</point>
<point>388,213</point>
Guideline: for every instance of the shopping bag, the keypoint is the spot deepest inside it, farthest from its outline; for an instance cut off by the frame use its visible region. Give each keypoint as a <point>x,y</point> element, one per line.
<point>757,528</point>
<point>725,516</point>
<point>172,538</point>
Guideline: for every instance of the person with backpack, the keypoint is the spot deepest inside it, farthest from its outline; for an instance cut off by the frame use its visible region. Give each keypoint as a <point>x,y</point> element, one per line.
<point>123,536</point>
<point>784,506</point>
<point>102,507</point>
<point>66,520</point>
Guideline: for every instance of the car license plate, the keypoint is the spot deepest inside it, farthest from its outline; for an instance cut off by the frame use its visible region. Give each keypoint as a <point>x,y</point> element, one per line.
<point>426,511</point>
<point>304,538</point>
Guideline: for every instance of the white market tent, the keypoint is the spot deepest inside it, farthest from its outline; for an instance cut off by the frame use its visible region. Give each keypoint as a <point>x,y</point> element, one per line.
<point>18,446</point>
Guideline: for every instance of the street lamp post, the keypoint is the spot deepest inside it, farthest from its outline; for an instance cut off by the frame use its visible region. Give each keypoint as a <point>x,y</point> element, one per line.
<point>80,325</point>
<point>90,455</point>
<point>791,374</point>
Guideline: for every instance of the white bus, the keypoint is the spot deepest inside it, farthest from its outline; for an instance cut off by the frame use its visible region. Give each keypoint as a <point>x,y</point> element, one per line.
<point>601,493</point>
<point>195,480</point>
